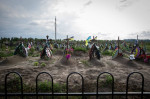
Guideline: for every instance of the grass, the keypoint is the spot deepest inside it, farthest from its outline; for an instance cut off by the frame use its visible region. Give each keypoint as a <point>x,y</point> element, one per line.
<point>43,64</point>
<point>107,52</point>
<point>86,63</point>
<point>36,63</point>
<point>6,54</point>
<point>35,55</point>
<point>31,51</point>
<point>46,86</point>
<point>108,81</point>
<point>80,49</point>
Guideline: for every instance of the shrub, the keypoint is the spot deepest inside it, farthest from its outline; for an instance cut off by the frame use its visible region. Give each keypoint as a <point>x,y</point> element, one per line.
<point>43,64</point>
<point>36,63</point>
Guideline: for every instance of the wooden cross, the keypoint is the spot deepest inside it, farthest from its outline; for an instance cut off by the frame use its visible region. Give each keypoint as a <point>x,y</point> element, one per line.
<point>47,37</point>
<point>67,41</point>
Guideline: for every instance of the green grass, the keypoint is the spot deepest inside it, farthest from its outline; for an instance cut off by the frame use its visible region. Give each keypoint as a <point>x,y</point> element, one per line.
<point>80,49</point>
<point>107,52</point>
<point>85,63</point>
<point>6,54</point>
<point>35,55</point>
<point>46,86</point>
<point>43,64</point>
<point>36,63</point>
<point>107,82</point>
<point>31,51</point>
<point>108,79</point>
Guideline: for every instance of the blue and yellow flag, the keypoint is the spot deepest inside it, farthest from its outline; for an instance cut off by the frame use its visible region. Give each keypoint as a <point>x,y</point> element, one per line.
<point>71,38</point>
<point>95,38</point>
<point>87,40</point>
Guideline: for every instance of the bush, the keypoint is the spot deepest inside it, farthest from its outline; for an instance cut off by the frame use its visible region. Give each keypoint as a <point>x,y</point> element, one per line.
<point>43,64</point>
<point>36,63</point>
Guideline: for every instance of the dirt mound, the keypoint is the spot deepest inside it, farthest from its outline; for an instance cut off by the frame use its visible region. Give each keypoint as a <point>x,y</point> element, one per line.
<point>64,61</point>
<point>96,62</point>
<point>12,60</point>
<point>125,61</point>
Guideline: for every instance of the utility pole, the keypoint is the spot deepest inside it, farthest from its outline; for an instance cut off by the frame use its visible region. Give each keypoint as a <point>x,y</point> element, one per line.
<point>55,28</point>
<point>118,45</point>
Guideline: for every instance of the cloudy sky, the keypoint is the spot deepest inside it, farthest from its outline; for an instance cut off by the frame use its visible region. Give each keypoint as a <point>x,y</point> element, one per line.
<point>106,19</point>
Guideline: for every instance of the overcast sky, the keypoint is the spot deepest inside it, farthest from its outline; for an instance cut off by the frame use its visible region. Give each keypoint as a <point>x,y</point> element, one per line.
<point>106,19</point>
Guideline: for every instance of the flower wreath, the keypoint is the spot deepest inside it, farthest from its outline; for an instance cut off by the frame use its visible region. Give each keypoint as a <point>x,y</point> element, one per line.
<point>68,53</point>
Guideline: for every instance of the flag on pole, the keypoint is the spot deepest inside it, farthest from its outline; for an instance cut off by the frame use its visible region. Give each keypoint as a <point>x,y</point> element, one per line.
<point>95,38</point>
<point>71,38</point>
<point>87,40</point>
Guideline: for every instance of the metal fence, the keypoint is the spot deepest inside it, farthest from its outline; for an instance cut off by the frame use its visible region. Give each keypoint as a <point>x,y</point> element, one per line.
<point>82,94</point>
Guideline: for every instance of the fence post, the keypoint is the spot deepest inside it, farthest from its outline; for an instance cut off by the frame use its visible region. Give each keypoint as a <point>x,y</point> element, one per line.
<point>142,89</point>
<point>37,83</point>
<point>82,83</point>
<point>98,84</point>
<point>6,84</point>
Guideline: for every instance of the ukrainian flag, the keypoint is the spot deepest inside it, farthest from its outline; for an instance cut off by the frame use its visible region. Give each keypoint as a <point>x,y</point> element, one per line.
<point>71,38</point>
<point>95,38</point>
<point>87,40</point>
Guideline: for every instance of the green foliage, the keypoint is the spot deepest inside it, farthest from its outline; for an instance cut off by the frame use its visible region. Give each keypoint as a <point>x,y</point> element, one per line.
<point>107,52</point>
<point>14,84</point>
<point>108,79</point>
<point>148,48</point>
<point>35,55</point>
<point>46,86</point>
<point>36,63</point>
<point>43,64</point>
<point>80,49</point>
<point>2,54</point>
<point>107,82</point>
<point>31,51</point>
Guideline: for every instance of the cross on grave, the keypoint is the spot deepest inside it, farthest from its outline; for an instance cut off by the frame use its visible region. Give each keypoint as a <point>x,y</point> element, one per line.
<point>67,41</point>
<point>118,45</point>
<point>47,37</point>
<point>94,40</point>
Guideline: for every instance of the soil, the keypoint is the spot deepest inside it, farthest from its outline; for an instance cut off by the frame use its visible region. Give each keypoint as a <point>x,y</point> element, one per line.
<point>59,67</point>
